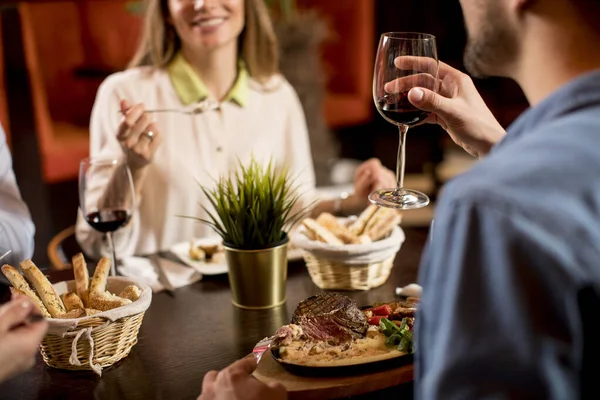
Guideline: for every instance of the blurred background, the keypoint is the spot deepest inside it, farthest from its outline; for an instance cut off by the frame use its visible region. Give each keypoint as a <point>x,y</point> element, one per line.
<point>55,54</point>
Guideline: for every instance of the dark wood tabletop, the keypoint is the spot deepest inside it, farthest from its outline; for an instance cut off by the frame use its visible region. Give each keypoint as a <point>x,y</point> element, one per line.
<point>197,330</point>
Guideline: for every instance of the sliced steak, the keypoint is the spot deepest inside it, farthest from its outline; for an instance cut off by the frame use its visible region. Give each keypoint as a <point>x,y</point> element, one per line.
<point>331,317</point>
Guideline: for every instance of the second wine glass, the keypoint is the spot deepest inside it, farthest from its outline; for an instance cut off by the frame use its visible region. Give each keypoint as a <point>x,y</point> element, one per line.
<point>106,197</point>
<point>404,60</point>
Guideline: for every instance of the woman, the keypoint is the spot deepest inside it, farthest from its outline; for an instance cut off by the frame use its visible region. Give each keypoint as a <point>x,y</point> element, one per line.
<point>217,52</point>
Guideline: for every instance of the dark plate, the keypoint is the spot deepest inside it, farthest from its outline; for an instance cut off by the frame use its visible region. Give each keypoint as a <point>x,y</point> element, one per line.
<point>346,370</point>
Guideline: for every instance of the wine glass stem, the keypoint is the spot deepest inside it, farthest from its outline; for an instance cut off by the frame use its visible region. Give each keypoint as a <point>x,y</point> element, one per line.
<point>400,163</point>
<point>111,244</point>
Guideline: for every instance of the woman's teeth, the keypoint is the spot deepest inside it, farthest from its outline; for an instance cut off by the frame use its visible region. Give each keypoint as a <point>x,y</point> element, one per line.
<point>209,22</point>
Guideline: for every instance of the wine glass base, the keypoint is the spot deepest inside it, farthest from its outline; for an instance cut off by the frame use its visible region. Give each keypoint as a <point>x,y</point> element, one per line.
<point>402,199</point>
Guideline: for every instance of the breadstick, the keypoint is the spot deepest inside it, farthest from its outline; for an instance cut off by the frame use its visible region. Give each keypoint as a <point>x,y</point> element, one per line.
<point>91,311</point>
<point>322,234</point>
<point>82,277</point>
<point>44,288</point>
<point>36,300</point>
<point>384,226</point>
<point>331,223</point>
<point>131,292</point>
<point>106,301</point>
<point>98,283</point>
<point>72,301</point>
<point>75,313</point>
<point>358,227</point>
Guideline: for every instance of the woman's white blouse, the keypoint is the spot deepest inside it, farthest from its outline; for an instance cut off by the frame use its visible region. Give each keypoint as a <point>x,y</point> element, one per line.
<point>195,150</point>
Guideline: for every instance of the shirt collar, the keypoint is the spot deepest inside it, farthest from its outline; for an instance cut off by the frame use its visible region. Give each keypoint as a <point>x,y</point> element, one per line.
<point>191,89</point>
<point>580,92</point>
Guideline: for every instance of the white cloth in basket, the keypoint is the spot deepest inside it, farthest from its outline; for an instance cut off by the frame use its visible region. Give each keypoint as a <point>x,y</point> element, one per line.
<point>68,327</point>
<point>352,254</point>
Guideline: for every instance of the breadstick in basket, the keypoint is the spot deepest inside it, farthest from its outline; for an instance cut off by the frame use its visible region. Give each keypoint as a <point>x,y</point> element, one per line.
<point>36,300</point>
<point>106,301</point>
<point>44,288</point>
<point>82,277</point>
<point>72,301</point>
<point>358,227</point>
<point>130,292</point>
<point>331,223</point>
<point>98,283</point>
<point>322,234</point>
<point>75,313</point>
<point>384,225</point>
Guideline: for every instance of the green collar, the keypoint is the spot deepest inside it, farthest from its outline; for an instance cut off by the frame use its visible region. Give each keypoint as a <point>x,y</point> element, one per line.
<point>191,89</point>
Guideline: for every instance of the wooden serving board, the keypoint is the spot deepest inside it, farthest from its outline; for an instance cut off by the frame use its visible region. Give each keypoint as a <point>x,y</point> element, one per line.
<point>309,388</point>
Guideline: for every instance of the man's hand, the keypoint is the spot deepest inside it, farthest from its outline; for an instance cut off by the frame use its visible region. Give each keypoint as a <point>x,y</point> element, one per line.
<point>19,340</point>
<point>457,107</point>
<point>236,383</point>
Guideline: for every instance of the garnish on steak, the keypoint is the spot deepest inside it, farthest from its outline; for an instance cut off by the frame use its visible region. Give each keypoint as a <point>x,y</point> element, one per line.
<point>331,317</point>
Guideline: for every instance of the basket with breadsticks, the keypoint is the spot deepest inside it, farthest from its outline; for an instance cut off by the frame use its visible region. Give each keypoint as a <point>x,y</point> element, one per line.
<point>93,322</point>
<point>351,253</point>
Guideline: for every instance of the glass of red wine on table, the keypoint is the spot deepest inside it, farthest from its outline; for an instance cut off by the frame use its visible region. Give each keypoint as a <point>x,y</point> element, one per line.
<point>106,197</point>
<point>404,60</point>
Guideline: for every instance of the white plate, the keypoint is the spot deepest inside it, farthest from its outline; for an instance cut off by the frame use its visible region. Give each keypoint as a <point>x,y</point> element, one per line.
<point>182,251</point>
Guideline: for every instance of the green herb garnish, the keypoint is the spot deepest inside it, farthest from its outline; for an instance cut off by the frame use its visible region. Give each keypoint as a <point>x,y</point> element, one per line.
<point>400,336</point>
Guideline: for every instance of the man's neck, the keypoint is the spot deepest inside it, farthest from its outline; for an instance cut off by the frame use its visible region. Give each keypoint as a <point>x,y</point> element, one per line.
<point>552,57</point>
<point>216,68</point>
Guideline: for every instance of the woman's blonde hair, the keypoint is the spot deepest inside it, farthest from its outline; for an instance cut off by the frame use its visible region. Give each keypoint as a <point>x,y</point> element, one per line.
<point>257,42</point>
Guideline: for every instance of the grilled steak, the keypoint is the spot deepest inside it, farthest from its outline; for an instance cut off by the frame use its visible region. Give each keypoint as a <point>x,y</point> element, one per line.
<point>331,317</point>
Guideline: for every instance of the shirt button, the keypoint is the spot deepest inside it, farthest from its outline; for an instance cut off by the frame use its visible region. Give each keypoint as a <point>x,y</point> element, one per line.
<point>219,149</point>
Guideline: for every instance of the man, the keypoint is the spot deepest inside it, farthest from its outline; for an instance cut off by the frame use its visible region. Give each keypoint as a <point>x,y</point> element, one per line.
<point>512,274</point>
<point>16,226</point>
<point>19,339</point>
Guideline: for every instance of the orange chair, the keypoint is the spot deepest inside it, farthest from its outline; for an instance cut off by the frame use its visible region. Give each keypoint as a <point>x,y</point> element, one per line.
<point>98,37</point>
<point>3,95</point>
<point>349,56</point>
<point>50,54</point>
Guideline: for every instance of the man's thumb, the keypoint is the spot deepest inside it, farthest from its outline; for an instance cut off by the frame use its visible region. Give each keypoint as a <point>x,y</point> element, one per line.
<point>427,100</point>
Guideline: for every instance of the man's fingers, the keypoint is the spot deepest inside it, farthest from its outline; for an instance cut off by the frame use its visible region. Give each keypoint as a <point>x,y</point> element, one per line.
<point>14,313</point>
<point>245,366</point>
<point>277,388</point>
<point>408,82</point>
<point>33,333</point>
<point>209,380</point>
<point>427,65</point>
<point>428,100</point>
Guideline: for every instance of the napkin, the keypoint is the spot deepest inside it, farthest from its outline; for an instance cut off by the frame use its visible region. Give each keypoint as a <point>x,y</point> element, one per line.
<point>141,268</point>
<point>412,290</point>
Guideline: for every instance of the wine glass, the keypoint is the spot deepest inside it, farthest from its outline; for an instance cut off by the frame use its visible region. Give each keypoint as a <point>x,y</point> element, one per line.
<point>106,197</point>
<point>404,60</point>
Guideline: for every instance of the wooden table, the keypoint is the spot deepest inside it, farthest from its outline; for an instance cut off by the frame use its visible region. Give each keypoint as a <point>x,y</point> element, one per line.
<point>197,330</point>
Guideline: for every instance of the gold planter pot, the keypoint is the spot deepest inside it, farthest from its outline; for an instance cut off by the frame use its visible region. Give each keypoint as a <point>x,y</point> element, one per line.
<point>257,277</point>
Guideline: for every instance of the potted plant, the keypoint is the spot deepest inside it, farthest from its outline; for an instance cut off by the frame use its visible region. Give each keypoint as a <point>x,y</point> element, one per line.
<point>253,209</point>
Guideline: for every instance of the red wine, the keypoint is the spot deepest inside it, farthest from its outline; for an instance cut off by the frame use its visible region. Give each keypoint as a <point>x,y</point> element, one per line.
<point>107,220</point>
<point>397,108</point>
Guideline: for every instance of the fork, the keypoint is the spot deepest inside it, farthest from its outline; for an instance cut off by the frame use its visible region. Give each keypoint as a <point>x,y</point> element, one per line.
<point>199,108</point>
<point>261,347</point>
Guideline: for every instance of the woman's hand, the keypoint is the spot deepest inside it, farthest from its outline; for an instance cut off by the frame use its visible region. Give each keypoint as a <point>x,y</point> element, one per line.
<point>236,383</point>
<point>368,177</point>
<point>19,340</point>
<point>371,176</point>
<point>457,107</point>
<point>138,136</point>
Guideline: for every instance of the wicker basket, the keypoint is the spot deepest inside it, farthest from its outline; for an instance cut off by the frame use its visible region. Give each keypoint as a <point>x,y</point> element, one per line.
<point>94,343</point>
<point>350,267</point>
